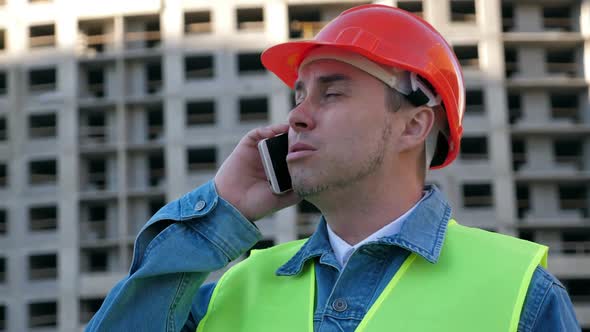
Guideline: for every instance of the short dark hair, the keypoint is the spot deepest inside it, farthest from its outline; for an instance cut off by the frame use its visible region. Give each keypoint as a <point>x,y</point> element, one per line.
<point>394,100</point>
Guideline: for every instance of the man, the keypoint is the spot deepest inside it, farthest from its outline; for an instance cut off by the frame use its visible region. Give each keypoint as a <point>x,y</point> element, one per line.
<point>380,98</point>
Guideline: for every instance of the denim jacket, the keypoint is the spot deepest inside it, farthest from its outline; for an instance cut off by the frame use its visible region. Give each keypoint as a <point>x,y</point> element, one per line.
<point>201,232</point>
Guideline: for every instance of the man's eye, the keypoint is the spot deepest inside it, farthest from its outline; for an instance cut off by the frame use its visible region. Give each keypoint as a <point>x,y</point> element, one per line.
<point>332,94</point>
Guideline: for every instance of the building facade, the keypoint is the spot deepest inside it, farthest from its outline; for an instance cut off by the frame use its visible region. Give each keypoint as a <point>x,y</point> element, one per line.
<point>109,109</point>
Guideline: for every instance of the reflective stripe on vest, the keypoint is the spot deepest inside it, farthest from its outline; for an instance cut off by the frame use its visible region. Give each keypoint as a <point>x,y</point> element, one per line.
<point>478,284</point>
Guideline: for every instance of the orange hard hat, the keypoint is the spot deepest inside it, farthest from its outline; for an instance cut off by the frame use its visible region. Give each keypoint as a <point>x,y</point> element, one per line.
<point>391,37</point>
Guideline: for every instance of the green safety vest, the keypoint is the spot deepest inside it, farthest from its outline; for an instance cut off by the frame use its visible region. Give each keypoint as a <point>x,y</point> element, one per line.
<point>478,284</point>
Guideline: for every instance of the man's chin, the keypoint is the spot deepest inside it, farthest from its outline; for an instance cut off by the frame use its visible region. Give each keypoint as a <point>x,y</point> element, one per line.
<point>306,189</point>
<point>300,187</point>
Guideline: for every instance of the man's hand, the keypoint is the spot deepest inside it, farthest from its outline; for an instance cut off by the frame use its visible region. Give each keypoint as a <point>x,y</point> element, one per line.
<point>241,179</point>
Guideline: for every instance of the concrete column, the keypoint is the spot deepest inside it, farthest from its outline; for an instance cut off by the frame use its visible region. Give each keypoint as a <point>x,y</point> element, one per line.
<point>584,107</point>
<point>528,17</point>
<point>286,225</point>
<point>109,28</point>
<point>224,18</point>
<point>174,104</point>
<point>175,151</point>
<point>123,137</point>
<point>143,171</point>
<point>585,100</point>
<point>386,2</point>
<point>120,208</point>
<point>68,229</point>
<point>17,36</point>
<point>16,43</point>
<point>115,261</point>
<point>111,127</point>
<point>536,107</point>
<point>16,118</point>
<point>276,15</point>
<point>225,65</point>
<point>544,201</point>
<point>437,13</point>
<point>491,42</point>
<point>136,78</point>
<point>280,104</point>
<point>497,110</point>
<point>138,123</point>
<point>16,262</point>
<point>113,220</point>
<point>223,151</point>
<point>531,62</point>
<point>227,109</point>
<point>113,86</point>
<point>118,33</point>
<point>133,172</point>
<point>538,153</point>
<point>17,81</point>
<point>171,25</point>
<point>585,19</point>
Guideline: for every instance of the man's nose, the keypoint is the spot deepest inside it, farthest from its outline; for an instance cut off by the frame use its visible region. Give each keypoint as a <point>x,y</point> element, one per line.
<point>300,118</point>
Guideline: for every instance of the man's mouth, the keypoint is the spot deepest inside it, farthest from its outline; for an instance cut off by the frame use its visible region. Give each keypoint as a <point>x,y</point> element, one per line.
<point>301,147</point>
<point>300,150</point>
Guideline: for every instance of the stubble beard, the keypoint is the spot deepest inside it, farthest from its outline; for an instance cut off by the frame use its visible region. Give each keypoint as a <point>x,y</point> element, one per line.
<point>368,167</point>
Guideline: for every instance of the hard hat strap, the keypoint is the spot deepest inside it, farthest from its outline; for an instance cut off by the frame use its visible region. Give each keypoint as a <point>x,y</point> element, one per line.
<point>395,78</point>
<point>436,143</point>
<point>422,92</point>
<point>417,98</point>
<point>430,145</point>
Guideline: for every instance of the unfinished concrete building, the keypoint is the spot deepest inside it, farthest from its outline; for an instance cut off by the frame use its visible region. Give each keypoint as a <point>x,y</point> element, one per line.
<point>109,109</point>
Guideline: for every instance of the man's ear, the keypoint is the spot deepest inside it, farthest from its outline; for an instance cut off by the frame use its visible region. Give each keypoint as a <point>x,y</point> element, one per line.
<point>418,123</point>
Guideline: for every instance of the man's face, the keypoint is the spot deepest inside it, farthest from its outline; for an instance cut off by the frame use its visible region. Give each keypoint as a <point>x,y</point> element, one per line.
<point>341,132</point>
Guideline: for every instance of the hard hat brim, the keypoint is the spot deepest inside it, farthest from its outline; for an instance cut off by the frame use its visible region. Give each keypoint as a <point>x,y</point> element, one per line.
<point>284,59</point>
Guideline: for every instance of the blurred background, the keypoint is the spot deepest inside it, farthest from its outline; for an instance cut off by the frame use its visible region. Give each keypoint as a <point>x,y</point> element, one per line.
<point>109,109</point>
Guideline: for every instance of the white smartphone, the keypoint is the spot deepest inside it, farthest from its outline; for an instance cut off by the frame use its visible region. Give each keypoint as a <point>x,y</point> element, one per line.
<point>273,152</point>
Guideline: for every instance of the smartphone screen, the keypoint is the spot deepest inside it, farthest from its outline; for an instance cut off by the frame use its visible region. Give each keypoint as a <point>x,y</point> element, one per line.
<point>278,148</point>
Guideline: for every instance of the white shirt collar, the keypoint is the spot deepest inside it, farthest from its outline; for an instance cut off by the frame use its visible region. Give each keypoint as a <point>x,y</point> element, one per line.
<point>343,250</point>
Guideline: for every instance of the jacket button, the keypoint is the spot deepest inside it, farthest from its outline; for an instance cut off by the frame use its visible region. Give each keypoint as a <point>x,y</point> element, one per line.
<point>200,205</point>
<point>339,305</point>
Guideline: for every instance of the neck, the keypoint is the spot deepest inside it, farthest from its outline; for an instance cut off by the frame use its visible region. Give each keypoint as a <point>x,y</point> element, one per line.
<point>356,211</point>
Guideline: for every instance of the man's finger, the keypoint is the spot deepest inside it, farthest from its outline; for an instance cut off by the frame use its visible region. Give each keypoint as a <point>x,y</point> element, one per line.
<point>258,134</point>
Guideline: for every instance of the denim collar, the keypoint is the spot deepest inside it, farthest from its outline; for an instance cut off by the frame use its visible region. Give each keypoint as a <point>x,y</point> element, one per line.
<point>423,233</point>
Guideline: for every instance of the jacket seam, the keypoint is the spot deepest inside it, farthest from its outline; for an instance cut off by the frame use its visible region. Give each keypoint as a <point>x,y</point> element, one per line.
<point>538,309</point>
<point>171,323</point>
